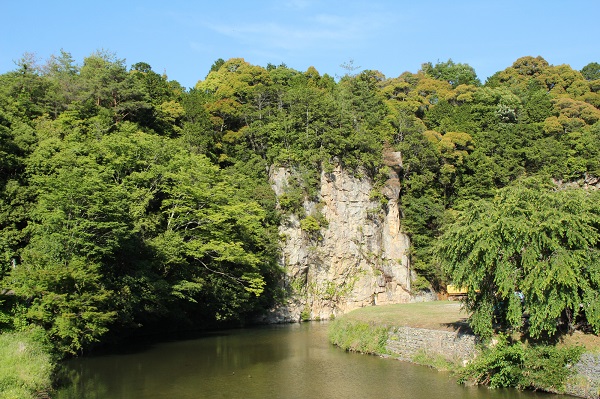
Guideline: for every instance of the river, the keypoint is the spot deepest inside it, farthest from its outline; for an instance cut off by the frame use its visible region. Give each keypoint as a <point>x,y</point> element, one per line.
<point>282,361</point>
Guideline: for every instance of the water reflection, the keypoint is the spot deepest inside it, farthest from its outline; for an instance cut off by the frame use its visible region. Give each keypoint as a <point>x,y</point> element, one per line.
<point>291,361</point>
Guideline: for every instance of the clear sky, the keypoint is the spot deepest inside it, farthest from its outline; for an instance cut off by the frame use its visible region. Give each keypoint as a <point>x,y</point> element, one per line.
<point>184,38</point>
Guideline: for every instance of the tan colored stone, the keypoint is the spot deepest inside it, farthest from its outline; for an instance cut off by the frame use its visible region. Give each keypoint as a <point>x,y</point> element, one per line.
<point>361,258</point>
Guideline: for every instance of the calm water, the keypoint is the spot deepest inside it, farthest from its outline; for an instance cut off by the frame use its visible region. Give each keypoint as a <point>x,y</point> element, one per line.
<point>290,361</point>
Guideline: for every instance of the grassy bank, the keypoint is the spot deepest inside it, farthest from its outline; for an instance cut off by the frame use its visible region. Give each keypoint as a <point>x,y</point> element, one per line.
<point>444,316</point>
<point>508,363</point>
<point>358,336</point>
<point>26,366</point>
<point>366,329</point>
<point>437,315</point>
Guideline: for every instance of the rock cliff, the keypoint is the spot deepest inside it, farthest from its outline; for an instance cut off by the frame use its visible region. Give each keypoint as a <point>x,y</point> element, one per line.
<point>357,257</point>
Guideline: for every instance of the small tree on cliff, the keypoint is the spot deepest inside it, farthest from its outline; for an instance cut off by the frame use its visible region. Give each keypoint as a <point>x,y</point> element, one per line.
<point>533,249</point>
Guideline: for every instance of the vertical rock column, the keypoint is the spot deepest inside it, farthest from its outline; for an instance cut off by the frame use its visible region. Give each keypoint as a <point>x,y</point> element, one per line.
<point>359,259</point>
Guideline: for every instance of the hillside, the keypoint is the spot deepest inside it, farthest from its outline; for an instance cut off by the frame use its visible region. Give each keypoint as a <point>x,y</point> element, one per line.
<point>128,202</point>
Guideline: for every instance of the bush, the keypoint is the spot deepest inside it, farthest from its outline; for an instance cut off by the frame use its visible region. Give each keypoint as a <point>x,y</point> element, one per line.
<point>522,366</point>
<point>310,224</point>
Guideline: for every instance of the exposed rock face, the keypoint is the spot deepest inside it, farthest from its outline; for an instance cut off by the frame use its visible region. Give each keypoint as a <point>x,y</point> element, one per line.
<point>588,182</point>
<point>359,258</point>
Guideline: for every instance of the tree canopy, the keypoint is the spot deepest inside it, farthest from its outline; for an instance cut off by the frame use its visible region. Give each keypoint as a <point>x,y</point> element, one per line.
<point>532,250</point>
<point>127,201</point>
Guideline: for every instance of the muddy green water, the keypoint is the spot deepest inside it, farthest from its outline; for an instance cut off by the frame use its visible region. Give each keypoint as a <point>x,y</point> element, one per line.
<point>286,361</point>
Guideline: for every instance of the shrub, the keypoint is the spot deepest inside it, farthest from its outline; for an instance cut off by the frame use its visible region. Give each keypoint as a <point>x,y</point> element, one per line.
<point>522,366</point>
<point>310,224</point>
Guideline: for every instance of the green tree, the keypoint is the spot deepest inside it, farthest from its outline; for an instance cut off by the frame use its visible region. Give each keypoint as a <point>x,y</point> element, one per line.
<point>107,85</point>
<point>213,246</point>
<point>78,222</point>
<point>27,88</point>
<point>17,139</point>
<point>532,241</point>
<point>455,74</point>
<point>591,71</point>
<point>216,65</point>
<point>62,74</point>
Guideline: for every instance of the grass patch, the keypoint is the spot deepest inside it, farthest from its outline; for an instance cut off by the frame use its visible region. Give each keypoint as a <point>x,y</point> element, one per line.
<point>511,362</point>
<point>436,315</point>
<point>26,366</point>
<point>435,361</point>
<point>590,342</point>
<point>447,316</point>
<point>357,336</point>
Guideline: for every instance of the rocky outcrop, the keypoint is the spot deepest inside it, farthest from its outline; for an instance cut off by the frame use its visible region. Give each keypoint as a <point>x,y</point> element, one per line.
<point>357,257</point>
<point>588,182</point>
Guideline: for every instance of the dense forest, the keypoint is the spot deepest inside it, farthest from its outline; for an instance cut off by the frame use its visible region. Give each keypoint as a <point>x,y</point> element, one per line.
<point>128,201</point>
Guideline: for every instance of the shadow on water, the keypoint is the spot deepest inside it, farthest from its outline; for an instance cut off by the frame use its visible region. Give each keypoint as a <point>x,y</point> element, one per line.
<point>137,344</point>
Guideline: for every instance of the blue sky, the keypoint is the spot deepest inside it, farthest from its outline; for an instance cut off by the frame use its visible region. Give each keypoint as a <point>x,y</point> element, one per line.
<point>184,38</point>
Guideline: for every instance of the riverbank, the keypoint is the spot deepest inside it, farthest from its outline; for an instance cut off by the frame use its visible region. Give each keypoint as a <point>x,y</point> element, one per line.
<point>26,368</point>
<point>436,334</point>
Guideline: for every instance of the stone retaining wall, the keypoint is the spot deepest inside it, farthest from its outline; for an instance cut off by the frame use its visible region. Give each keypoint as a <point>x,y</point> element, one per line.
<point>586,383</point>
<point>404,343</point>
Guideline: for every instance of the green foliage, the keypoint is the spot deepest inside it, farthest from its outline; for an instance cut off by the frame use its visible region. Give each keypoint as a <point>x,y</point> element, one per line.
<point>514,364</point>
<point>209,229</point>
<point>292,201</point>
<point>107,220</point>
<point>26,367</point>
<point>455,74</point>
<point>591,71</point>
<point>437,362</point>
<point>78,221</point>
<point>532,240</point>
<point>305,315</point>
<point>358,336</point>
<point>310,224</point>
<point>313,223</point>
<point>126,200</point>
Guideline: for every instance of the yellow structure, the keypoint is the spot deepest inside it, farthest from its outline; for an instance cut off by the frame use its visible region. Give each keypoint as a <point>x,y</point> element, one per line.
<point>455,291</point>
